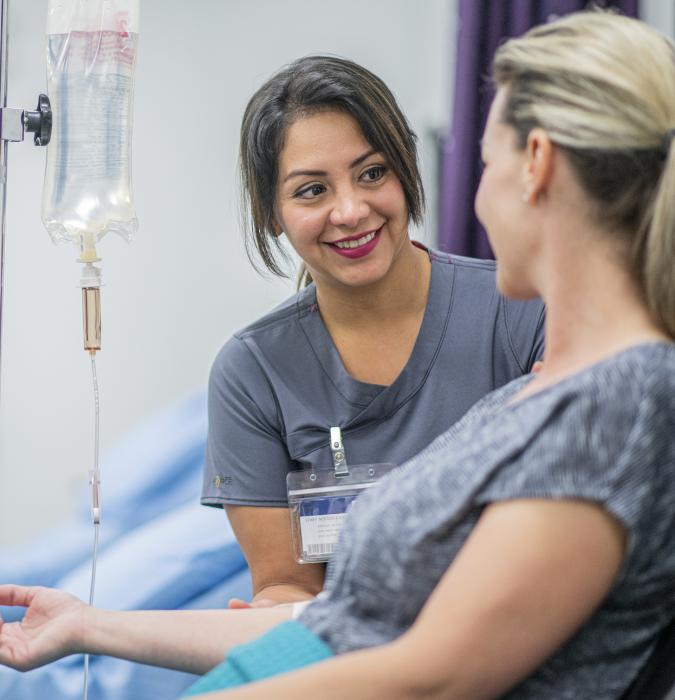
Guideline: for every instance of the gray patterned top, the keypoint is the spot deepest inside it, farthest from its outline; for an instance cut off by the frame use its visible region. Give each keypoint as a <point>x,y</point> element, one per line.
<point>606,434</point>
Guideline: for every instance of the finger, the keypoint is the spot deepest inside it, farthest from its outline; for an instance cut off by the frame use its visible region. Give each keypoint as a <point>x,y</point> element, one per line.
<point>536,367</point>
<point>238,604</point>
<point>16,595</point>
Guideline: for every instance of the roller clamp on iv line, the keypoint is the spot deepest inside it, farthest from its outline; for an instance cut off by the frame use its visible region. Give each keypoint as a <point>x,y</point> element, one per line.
<point>319,499</point>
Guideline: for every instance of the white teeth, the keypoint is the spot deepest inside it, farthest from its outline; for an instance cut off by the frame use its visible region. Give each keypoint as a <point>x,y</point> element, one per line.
<point>355,244</point>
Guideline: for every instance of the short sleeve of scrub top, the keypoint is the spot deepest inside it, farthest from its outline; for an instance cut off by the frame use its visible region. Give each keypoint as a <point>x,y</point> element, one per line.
<point>279,385</point>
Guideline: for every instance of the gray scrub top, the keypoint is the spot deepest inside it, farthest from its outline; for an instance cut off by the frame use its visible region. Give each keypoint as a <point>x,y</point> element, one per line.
<point>605,435</point>
<point>277,386</point>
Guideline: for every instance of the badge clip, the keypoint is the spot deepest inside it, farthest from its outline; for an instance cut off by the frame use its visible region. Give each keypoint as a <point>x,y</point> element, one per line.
<point>338,452</point>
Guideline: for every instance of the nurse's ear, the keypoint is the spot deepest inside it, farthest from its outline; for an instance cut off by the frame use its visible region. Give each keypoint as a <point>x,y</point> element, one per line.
<point>275,226</point>
<point>538,165</point>
<point>277,230</point>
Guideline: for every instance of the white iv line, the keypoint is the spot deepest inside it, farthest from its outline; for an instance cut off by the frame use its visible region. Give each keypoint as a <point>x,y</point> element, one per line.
<point>95,481</point>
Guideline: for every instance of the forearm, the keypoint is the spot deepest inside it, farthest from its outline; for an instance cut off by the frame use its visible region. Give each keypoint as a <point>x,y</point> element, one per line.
<point>187,640</point>
<point>264,535</point>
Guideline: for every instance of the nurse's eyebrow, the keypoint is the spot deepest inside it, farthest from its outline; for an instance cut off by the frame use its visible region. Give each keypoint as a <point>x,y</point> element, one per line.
<point>305,173</point>
<point>360,159</point>
<point>322,173</point>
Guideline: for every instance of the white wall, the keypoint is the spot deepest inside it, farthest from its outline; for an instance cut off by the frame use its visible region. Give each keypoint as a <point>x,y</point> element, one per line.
<point>174,295</point>
<point>660,14</point>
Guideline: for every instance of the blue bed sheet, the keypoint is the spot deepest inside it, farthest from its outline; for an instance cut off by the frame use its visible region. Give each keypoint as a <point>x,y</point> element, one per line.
<point>159,550</point>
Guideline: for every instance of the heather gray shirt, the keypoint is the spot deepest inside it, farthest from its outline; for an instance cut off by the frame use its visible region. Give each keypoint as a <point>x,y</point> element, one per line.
<point>278,386</point>
<point>606,435</point>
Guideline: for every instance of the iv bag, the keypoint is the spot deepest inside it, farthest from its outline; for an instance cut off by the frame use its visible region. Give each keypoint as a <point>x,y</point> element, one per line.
<point>91,52</point>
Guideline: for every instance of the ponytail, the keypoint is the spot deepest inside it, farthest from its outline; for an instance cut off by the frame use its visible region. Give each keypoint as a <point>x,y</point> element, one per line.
<point>659,246</point>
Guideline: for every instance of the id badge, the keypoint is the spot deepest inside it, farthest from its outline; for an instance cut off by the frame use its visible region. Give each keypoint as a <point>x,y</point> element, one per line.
<point>318,502</point>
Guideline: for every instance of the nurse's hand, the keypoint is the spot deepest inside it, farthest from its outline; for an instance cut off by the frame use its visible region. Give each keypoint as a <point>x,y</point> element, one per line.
<point>239,604</point>
<point>52,627</point>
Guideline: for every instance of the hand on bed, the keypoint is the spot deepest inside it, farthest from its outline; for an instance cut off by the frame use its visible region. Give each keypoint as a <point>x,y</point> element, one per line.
<point>239,604</point>
<point>50,629</point>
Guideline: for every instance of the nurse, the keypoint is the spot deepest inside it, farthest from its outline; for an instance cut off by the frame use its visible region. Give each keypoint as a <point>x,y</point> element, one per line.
<point>387,340</point>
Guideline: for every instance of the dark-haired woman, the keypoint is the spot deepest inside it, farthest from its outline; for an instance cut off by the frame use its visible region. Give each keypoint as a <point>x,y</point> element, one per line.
<point>390,342</point>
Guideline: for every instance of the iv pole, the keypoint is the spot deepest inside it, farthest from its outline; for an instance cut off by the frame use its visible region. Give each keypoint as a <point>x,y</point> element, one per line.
<point>13,124</point>
<point>3,163</point>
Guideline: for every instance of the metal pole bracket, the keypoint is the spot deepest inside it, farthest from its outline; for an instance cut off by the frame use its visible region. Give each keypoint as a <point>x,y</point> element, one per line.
<point>15,122</point>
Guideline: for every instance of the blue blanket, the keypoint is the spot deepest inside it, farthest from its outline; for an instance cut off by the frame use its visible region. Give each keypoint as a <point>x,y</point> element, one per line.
<point>159,549</point>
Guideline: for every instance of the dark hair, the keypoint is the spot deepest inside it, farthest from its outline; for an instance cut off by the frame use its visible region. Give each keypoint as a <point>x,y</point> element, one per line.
<point>306,86</point>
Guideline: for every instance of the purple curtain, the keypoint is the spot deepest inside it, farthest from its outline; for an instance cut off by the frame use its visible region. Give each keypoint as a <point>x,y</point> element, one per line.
<point>483,24</point>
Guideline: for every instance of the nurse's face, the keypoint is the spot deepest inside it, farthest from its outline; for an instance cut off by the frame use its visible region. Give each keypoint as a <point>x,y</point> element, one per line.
<point>339,203</point>
<point>500,206</point>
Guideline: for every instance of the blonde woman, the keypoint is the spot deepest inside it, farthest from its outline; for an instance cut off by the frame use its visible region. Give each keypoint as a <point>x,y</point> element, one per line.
<point>529,552</point>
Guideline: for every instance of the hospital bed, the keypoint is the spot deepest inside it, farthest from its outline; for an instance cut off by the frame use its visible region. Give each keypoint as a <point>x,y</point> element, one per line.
<point>159,549</point>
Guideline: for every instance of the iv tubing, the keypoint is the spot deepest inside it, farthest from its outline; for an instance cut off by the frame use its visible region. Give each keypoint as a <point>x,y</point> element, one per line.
<point>4,12</point>
<point>96,512</point>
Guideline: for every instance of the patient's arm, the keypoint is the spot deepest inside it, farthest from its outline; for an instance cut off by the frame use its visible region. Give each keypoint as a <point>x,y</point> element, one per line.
<point>264,535</point>
<point>57,624</point>
<point>530,574</point>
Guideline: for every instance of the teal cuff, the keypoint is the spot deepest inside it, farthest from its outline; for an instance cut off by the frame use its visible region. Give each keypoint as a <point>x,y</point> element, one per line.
<point>286,647</point>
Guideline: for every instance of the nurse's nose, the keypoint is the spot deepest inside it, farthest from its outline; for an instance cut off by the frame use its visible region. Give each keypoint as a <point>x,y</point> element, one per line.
<point>349,209</point>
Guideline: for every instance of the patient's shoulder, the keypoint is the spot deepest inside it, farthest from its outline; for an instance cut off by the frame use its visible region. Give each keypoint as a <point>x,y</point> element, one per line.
<point>605,435</point>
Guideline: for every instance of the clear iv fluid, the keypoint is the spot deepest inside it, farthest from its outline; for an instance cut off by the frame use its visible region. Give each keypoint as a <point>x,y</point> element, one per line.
<point>87,189</point>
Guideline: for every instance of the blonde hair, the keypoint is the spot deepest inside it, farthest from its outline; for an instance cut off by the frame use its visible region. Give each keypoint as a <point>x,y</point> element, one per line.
<point>603,87</point>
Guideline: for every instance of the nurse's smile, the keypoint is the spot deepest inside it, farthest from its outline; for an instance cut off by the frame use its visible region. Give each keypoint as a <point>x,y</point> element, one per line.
<point>358,245</point>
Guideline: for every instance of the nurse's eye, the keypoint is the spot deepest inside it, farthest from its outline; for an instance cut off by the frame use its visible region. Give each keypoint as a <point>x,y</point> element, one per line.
<point>310,192</point>
<point>374,173</point>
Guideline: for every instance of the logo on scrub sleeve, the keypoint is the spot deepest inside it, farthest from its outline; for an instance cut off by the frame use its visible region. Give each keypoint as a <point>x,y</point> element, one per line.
<point>220,481</point>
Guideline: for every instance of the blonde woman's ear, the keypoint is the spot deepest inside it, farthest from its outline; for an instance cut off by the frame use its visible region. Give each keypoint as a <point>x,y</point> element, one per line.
<point>538,165</point>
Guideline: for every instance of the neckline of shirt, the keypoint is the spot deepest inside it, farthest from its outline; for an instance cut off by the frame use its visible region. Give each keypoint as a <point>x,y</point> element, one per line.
<point>374,397</point>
